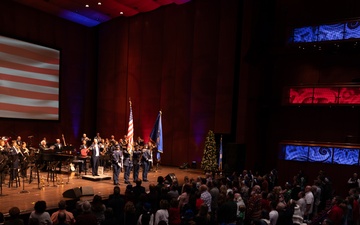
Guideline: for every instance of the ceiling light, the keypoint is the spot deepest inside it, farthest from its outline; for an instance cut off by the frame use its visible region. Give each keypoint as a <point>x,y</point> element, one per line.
<point>121,13</point>
<point>99,3</point>
<point>87,6</point>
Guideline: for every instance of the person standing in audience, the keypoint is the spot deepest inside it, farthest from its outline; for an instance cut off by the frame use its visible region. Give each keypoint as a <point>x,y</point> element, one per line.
<point>162,214</point>
<point>336,212</point>
<point>309,200</point>
<point>205,196</point>
<point>146,217</point>
<point>40,215</point>
<point>354,181</point>
<point>253,206</point>
<point>227,211</point>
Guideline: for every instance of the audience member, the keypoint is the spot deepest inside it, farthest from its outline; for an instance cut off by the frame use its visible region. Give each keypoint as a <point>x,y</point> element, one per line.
<point>98,208</point>
<point>336,212</point>
<point>227,211</point>
<point>162,213</point>
<point>174,212</point>
<point>138,189</point>
<point>14,219</point>
<point>2,219</point>
<point>40,214</point>
<point>146,217</point>
<point>110,218</point>
<point>117,203</point>
<point>129,214</point>
<point>203,216</point>
<point>61,219</point>
<point>205,196</point>
<point>87,217</point>
<point>62,208</point>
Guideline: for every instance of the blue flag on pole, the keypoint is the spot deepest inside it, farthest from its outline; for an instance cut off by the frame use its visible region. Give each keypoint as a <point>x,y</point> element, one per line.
<point>157,137</point>
<point>220,154</point>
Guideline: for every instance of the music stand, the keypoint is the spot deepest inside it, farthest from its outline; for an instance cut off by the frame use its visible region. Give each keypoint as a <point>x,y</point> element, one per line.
<point>37,168</point>
<point>2,172</point>
<point>23,170</point>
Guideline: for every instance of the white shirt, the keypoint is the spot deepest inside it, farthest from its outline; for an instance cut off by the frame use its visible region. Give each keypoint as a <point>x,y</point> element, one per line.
<point>273,217</point>
<point>309,200</point>
<point>302,205</point>
<point>161,214</point>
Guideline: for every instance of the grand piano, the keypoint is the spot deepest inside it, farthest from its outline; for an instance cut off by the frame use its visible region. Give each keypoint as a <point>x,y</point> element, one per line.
<point>52,159</point>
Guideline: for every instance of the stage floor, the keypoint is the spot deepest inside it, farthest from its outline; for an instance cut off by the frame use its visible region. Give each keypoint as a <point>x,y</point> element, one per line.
<point>25,196</point>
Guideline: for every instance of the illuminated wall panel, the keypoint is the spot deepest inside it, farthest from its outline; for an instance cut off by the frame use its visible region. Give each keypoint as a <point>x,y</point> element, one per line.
<point>327,32</point>
<point>323,95</point>
<point>313,152</point>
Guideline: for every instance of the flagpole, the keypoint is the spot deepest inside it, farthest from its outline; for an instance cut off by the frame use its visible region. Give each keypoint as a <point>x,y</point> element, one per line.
<point>220,156</point>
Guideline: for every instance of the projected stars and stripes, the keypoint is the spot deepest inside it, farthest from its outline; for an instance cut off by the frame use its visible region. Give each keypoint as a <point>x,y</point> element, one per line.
<point>29,80</point>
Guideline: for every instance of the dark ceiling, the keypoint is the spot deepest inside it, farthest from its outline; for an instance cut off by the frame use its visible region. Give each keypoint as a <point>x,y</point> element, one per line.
<point>93,12</point>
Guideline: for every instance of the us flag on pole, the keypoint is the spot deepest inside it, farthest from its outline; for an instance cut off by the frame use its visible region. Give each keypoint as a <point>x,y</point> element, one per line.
<point>29,80</point>
<point>130,134</point>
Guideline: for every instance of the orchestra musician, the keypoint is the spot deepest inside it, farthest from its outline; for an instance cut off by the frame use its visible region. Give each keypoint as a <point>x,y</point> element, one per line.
<point>83,155</point>
<point>104,154</point>
<point>139,142</point>
<point>85,138</point>
<point>123,143</point>
<point>95,148</point>
<point>117,164</point>
<point>24,149</point>
<point>98,137</point>
<point>145,162</point>
<point>58,146</point>
<point>4,147</point>
<point>18,141</point>
<point>112,139</point>
<point>43,146</point>
<point>15,155</point>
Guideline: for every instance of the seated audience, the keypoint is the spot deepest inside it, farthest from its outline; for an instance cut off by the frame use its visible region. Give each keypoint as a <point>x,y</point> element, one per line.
<point>14,219</point>
<point>40,214</point>
<point>62,208</point>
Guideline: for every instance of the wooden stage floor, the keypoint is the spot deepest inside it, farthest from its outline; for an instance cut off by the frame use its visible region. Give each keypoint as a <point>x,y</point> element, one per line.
<point>25,196</point>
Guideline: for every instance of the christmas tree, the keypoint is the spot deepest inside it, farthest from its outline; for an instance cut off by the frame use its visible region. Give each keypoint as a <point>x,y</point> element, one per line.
<point>209,160</point>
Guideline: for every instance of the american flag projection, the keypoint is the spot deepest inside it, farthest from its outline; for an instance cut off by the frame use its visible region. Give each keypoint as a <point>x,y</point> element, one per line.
<point>29,80</point>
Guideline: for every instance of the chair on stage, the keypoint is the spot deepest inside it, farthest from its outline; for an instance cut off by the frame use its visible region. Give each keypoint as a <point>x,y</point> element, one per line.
<point>51,176</point>
<point>15,175</point>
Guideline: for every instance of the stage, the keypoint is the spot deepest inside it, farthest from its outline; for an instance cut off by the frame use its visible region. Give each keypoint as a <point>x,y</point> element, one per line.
<point>25,196</point>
